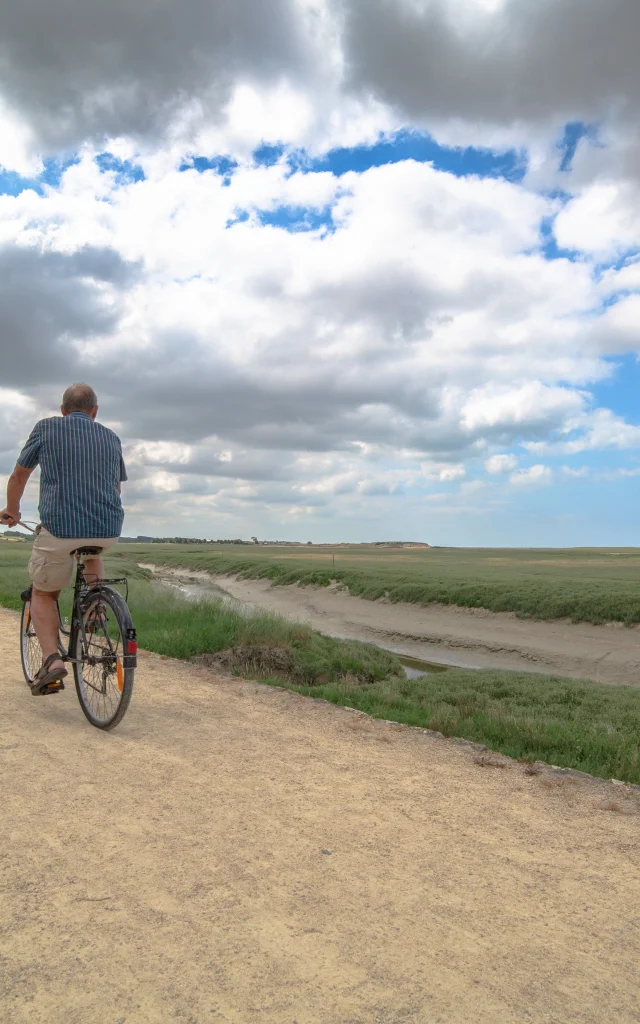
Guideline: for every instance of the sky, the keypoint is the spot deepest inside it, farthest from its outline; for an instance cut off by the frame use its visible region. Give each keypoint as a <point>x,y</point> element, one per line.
<point>338,270</point>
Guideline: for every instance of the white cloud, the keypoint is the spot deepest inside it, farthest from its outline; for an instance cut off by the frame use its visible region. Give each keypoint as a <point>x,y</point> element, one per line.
<point>420,332</point>
<point>622,474</point>
<point>536,475</point>
<point>617,329</point>
<point>159,452</point>
<point>579,473</point>
<point>605,430</point>
<point>603,219</point>
<point>627,278</point>
<point>18,151</point>
<point>14,406</point>
<point>498,464</point>
<point>530,405</point>
<point>450,473</point>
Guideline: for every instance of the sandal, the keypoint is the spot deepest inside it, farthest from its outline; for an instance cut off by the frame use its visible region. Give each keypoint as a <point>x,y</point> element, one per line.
<point>48,680</point>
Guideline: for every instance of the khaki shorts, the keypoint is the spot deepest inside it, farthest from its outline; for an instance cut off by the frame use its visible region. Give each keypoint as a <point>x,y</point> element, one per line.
<point>51,563</point>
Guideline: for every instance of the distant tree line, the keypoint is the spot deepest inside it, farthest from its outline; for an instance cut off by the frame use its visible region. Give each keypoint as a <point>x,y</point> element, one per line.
<point>254,541</point>
<point>179,540</point>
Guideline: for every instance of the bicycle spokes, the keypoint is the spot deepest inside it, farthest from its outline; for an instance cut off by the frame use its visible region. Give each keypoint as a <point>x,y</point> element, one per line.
<point>100,670</point>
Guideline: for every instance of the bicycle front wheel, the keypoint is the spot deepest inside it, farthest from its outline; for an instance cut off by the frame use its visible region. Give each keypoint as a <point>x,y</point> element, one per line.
<point>30,650</point>
<point>102,659</point>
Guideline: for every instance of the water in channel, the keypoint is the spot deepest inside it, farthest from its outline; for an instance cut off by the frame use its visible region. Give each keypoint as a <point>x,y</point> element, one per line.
<point>196,590</point>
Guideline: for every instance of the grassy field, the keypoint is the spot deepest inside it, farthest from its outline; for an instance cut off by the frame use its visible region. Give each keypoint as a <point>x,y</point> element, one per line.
<point>588,585</point>
<point>572,723</point>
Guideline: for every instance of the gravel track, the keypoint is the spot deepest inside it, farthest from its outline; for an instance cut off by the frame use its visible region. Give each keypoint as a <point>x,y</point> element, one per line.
<point>237,853</point>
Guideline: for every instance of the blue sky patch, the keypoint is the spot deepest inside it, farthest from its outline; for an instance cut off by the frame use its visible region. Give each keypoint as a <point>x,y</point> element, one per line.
<point>126,173</point>
<point>12,183</point>
<point>239,217</point>
<point>549,243</point>
<point>55,168</point>
<point>621,391</point>
<point>222,165</point>
<point>267,156</point>
<point>626,259</point>
<point>297,218</point>
<point>574,132</point>
<point>405,145</point>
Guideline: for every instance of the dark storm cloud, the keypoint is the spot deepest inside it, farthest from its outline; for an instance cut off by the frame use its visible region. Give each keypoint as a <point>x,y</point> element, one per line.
<point>186,393</point>
<point>532,60</point>
<point>85,68</point>
<point>256,466</point>
<point>49,299</point>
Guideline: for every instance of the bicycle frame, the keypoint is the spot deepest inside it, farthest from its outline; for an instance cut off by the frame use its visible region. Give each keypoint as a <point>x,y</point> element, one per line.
<point>81,592</point>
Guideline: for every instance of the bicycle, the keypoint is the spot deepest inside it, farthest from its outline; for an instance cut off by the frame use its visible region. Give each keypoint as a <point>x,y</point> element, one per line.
<point>101,644</point>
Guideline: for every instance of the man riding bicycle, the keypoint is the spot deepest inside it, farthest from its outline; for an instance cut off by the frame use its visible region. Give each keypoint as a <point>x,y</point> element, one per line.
<point>82,470</point>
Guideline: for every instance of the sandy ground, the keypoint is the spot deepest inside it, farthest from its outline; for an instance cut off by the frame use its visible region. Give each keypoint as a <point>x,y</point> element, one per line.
<point>237,853</point>
<point>455,636</point>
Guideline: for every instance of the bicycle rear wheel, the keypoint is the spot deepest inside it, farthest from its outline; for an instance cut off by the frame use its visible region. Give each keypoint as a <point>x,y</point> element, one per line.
<point>103,663</point>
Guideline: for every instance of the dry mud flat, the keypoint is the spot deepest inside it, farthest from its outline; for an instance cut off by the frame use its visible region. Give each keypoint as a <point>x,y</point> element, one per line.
<point>238,853</point>
<point>467,637</point>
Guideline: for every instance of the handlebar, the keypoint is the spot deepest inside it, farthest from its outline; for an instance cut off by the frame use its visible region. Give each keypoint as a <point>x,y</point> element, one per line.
<point>5,519</point>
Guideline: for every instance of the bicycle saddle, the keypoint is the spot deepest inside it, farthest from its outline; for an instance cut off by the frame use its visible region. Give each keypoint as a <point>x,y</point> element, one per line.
<point>87,551</point>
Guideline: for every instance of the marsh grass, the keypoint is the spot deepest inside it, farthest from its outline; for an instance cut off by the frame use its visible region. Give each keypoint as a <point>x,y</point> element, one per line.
<point>584,585</point>
<point>571,723</point>
<point>13,573</point>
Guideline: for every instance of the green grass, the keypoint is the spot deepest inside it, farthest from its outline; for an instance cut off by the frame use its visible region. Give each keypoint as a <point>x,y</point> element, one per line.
<point>572,723</point>
<point>566,722</point>
<point>584,585</point>
<point>13,573</point>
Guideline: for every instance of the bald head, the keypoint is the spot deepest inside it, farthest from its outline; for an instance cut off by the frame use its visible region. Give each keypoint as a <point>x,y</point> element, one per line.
<point>79,398</point>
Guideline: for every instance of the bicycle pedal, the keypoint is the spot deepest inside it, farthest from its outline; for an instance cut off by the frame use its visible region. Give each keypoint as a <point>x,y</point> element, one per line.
<point>53,688</point>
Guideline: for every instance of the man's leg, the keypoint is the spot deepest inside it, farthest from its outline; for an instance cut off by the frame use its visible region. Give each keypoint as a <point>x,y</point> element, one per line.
<point>44,614</point>
<point>93,570</point>
<point>50,569</point>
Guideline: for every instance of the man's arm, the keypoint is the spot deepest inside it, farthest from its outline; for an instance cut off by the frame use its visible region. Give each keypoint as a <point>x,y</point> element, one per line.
<point>28,459</point>
<point>15,489</point>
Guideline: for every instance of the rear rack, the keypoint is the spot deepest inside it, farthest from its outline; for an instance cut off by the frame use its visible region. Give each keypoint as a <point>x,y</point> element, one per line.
<point>98,586</point>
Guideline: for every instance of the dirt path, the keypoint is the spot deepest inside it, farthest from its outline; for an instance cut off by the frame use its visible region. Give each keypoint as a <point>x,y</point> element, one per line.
<point>236,853</point>
<point>467,637</point>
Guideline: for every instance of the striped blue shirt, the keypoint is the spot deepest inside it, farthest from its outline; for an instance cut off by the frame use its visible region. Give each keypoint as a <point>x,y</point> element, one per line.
<point>81,466</point>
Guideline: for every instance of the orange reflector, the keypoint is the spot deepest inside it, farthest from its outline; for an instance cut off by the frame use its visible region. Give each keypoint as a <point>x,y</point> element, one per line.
<point>120,674</point>
<point>27,621</point>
